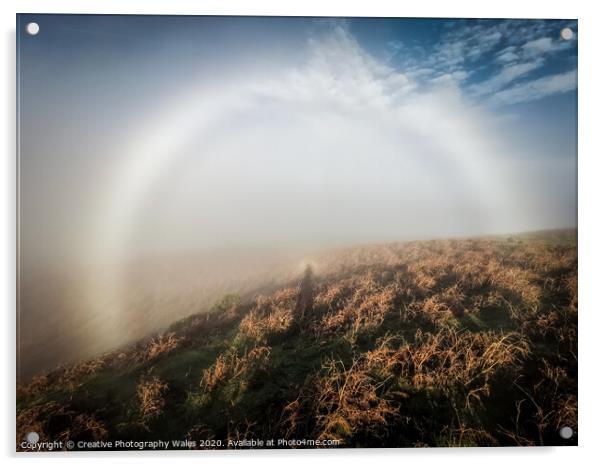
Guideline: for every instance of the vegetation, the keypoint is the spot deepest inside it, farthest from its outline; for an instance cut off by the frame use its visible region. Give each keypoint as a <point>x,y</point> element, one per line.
<point>435,343</point>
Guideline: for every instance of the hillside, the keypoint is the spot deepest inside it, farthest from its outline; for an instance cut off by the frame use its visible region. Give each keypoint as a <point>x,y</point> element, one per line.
<point>434,343</point>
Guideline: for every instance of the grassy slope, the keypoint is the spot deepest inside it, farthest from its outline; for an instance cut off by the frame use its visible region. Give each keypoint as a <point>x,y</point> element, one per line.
<point>437,343</point>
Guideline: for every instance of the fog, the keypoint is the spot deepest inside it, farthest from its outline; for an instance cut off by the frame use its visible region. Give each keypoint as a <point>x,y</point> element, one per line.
<point>229,180</point>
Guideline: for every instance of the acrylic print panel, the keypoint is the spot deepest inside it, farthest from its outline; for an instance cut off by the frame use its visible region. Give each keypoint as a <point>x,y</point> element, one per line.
<point>262,232</point>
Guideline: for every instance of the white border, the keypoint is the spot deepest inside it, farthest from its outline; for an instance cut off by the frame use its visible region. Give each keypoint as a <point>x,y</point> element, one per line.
<point>590,152</point>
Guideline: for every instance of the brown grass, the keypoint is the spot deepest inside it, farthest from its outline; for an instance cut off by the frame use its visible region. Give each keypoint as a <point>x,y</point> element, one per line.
<point>271,317</point>
<point>159,346</point>
<point>340,402</point>
<point>151,397</point>
<point>68,377</point>
<point>230,366</point>
<point>450,359</point>
<point>366,307</point>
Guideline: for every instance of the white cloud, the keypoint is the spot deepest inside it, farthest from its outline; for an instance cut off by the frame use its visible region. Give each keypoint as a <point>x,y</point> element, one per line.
<point>419,73</point>
<point>463,46</point>
<point>507,55</point>
<point>450,79</point>
<point>541,45</point>
<point>544,45</point>
<point>508,74</point>
<point>536,89</point>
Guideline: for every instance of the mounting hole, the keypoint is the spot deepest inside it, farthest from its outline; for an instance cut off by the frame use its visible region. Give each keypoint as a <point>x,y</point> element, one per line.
<point>32,29</point>
<point>566,33</point>
<point>566,432</point>
<point>32,437</point>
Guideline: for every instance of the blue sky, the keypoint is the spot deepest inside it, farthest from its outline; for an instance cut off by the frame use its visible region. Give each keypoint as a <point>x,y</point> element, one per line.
<point>517,60</point>
<point>143,130</point>
<point>495,62</point>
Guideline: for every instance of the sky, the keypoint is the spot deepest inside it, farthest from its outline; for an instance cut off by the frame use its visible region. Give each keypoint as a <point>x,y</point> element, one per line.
<point>226,131</point>
<point>147,139</point>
